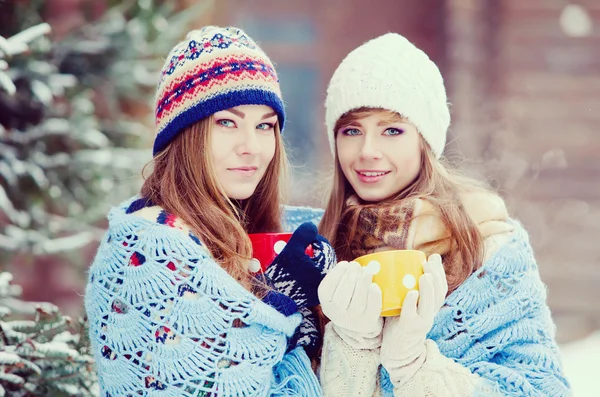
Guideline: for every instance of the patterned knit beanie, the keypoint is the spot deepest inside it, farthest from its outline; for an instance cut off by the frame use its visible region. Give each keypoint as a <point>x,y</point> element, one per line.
<point>389,72</point>
<point>213,69</point>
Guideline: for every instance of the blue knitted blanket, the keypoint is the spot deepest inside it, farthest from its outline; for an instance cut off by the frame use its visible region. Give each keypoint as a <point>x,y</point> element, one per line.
<point>498,325</point>
<point>166,320</point>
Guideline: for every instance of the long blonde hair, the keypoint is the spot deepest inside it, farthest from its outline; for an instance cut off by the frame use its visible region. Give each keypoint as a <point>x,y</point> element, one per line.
<point>183,183</point>
<point>436,182</point>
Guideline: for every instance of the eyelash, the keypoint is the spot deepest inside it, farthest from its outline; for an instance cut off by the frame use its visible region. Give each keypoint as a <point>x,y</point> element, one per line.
<point>347,130</point>
<point>221,122</point>
<point>270,126</point>
<point>400,132</point>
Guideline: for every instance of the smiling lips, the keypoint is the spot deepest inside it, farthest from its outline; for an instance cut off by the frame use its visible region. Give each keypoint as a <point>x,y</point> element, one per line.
<point>371,176</point>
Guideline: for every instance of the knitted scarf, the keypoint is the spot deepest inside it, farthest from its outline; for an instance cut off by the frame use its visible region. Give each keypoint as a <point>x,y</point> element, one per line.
<point>417,224</point>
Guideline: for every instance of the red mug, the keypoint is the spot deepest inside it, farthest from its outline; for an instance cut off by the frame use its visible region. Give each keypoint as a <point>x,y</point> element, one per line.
<point>266,246</point>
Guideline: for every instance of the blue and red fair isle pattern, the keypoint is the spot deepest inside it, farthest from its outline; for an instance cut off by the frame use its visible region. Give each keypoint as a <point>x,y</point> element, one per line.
<point>193,49</point>
<point>220,73</point>
<point>212,70</point>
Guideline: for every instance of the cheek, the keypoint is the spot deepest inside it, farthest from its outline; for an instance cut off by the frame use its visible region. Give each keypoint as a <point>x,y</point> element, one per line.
<point>345,154</point>
<point>268,147</point>
<point>219,146</point>
<point>345,162</point>
<point>412,163</point>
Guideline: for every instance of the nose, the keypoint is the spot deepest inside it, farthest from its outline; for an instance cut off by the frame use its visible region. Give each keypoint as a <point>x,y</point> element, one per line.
<point>249,143</point>
<point>370,148</point>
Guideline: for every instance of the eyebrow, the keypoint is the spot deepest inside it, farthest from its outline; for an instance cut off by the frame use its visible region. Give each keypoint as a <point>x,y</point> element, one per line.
<point>269,115</point>
<point>379,124</point>
<point>242,115</point>
<point>236,112</point>
<point>384,123</point>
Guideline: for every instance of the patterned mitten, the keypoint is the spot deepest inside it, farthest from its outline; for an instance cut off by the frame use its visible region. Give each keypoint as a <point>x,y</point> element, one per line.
<point>323,254</point>
<point>307,334</point>
<point>296,274</point>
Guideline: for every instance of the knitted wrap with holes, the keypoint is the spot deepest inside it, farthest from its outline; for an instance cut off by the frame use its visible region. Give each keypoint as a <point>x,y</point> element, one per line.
<point>498,325</point>
<point>166,320</point>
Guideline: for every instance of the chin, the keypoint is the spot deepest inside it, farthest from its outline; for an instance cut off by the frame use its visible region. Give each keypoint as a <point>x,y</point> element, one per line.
<point>370,196</point>
<point>373,196</point>
<point>241,194</point>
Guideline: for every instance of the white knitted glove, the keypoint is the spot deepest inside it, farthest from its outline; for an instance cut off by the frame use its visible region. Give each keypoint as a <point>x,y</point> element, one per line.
<point>403,349</point>
<point>352,302</point>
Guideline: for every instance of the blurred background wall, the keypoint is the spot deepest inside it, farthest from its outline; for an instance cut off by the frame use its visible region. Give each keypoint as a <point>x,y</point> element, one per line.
<point>523,78</point>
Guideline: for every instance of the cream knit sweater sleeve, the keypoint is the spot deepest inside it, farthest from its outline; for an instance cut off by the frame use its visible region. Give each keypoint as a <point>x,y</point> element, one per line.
<point>347,371</point>
<point>440,376</point>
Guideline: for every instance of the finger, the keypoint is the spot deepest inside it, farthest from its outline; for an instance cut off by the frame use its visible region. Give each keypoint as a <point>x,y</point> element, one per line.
<point>345,289</point>
<point>374,300</point>
<point>427,268</point>
<point>331,281</point>
<point>409,306</point>
<point>440,283</point>
<point>431,263</point>
<point>434,267</point>
<point>426,295</point>
<point>305,234</point>
<point>435,258</point>
<point>361,292</point>
<point>321,240</point>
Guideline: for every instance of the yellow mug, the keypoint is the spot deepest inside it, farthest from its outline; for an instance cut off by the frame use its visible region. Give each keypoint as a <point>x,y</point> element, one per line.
<point>399,272</point>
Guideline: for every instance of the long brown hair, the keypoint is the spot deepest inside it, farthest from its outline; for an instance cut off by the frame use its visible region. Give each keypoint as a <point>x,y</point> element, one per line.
<point>436,182</point>
<point>183,183</point>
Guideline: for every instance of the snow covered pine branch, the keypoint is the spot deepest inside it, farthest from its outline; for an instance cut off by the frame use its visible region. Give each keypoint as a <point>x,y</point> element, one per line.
<point>41,351</point>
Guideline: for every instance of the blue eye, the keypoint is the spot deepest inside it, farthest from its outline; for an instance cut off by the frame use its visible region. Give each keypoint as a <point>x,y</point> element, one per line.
<point>265,126</point>
<point>226,123</point>
<point>393,132</point>
<point>350,132</point>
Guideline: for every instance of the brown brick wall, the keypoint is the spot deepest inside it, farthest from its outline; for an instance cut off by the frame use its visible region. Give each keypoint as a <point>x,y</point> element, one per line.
<point>543,144</point>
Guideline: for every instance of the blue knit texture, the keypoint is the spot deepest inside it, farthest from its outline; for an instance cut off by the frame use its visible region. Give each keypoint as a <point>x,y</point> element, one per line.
<point>166,320</point>
<point>498,325</point>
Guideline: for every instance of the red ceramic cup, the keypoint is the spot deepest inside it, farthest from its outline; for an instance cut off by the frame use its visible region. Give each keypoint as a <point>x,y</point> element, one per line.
<point>266,246</point>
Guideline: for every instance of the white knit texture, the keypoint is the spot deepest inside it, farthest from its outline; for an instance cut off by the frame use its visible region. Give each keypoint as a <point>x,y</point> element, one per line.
<point>389,72</point>
<point>346,371</point>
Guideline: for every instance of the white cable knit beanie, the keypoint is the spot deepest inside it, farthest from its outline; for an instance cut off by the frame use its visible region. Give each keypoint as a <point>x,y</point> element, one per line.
<point>389,72</point>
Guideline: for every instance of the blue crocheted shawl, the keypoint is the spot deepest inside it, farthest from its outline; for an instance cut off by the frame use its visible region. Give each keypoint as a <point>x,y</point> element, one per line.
<point>498,325</point>
<point>166,320</point>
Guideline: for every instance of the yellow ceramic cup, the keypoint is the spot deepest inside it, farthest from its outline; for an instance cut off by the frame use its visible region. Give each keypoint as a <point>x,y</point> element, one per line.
<point>399,272</point>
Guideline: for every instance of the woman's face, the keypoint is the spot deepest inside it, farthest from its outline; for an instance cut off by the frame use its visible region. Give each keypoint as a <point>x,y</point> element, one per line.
<point>242,143</point>
<point>379,158</point>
